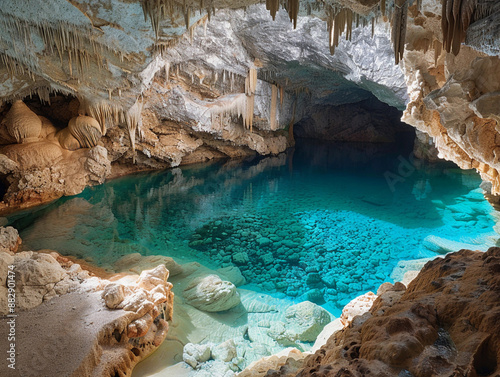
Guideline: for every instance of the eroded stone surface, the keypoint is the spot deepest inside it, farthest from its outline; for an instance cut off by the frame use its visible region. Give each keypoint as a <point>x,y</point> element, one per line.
<point>211,294</point>
<point>101,326</point>
<point>445,322</point>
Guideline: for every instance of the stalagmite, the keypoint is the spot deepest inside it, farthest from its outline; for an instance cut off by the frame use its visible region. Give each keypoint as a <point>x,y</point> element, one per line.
<point>86,130</point>
<point>274,100</point>
<point>22,123</point>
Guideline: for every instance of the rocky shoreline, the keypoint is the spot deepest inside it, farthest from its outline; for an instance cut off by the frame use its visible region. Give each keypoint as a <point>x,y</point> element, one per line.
<point>445,319</point>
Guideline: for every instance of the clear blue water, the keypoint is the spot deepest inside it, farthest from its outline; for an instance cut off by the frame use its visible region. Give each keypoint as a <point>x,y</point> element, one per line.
<point>324,222</point>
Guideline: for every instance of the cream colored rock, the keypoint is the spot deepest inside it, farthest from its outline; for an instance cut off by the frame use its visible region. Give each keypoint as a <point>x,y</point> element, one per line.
<point>7,165</point>
<point>67,140</point>
<point>98,164</point>
<point>195,354</point>
<point>306,320</point>
<point>357,306</point>
<point>39,154</point>
<point>86,130</point>
<point>225,351</point>
<point>261,367</point>
<point>211,294</point>
<point>37,270</point>
<point>6,260</point>
<point>150,279</point>
<point>113,295</point>
<point>136,263</point>
<point>326,333</point>
<point>48,129</point>
<point>140,326</point>
<point>22,123</point>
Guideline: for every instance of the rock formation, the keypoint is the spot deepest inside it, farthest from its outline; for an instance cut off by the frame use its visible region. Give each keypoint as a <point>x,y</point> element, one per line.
<point>199,101</point>
<point>211,294</point>
<point>444,323</point>
<point>164,83</point>
<point>104,324</point>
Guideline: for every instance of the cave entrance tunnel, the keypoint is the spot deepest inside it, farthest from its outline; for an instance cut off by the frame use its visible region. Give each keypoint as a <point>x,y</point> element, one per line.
<point>366,121</point>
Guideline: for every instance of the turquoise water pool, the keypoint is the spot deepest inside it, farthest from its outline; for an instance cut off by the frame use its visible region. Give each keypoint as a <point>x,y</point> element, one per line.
<point>323,222</point>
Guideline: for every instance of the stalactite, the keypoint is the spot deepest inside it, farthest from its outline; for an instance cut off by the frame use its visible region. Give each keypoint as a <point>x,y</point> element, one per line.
<point>133,120</point>
<point>456,17</point>
<point>293,11</point>
<point>102,111</point>
<point>281,96</point>
<point>338,22</point>
<point>237,107</point>
<point>250,86</point>
<point>382,7</point>
<point>272,6</point>
<point>399,20</point>
<point>437,51</point>
<point>77,44</point>
<point>167,72</point>
<point>274,100</point>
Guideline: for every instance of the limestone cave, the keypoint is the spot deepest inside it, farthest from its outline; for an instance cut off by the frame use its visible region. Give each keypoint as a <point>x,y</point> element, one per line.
<point>244,188</point>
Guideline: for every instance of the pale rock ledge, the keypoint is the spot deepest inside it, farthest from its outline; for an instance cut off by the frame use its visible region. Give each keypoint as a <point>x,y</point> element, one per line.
<point>104,324</point>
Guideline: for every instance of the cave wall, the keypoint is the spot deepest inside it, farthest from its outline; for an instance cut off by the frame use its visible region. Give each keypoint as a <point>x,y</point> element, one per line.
<point>173,87</point>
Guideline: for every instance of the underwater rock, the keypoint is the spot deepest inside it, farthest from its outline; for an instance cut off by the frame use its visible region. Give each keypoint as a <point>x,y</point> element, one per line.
<point>225,351</point>
<point>135,262</point>
<point>240,258</point>
<point>22,123</point>
<point>306,320</point>
<point>195,354</point>
<point>211,294</point>
<point>232,274</point>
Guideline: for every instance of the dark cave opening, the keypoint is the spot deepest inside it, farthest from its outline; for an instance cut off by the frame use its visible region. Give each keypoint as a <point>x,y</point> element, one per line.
<point>366,121</point>
<point>59,110</point>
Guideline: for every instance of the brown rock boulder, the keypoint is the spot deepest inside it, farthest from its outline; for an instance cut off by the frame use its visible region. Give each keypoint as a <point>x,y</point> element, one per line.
<point>447,323</point>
